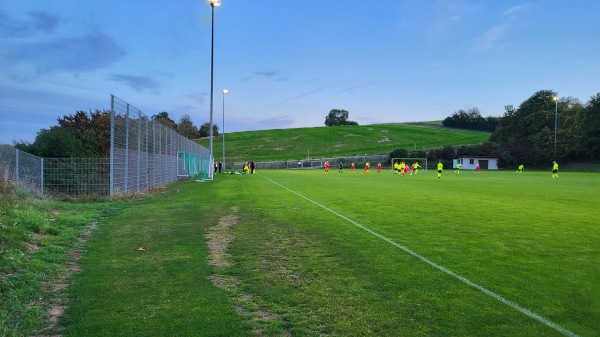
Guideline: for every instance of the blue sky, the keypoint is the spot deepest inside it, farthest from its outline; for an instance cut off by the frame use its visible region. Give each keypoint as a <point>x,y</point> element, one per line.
<point>287,63</point>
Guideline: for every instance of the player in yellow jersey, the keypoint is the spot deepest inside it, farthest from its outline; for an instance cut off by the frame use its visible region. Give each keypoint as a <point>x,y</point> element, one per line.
<point>458,166</point>
<point>554,170</point>
<point>415,168</point>
<point>401,168</point>
<point>521,168</point>
<point>440,168</point>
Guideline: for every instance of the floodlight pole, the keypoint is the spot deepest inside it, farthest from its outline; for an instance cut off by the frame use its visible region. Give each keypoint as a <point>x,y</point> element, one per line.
<point>555,124</point>
<point>213,4</point>
<point>223,132</point>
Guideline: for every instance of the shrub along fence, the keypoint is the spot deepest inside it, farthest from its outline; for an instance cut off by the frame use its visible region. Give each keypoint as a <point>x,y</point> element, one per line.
<point>144,154</point>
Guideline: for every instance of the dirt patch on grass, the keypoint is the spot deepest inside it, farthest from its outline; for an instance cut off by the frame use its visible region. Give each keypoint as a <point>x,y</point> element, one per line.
<point>338,144</point>
<point>279,148</point>
<point>32,247</point>
<point>384,140</point>
<point>56,287</point>
<point>219,238</point>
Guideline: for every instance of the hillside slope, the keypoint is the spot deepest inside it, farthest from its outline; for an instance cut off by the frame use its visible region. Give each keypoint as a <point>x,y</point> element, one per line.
<point>320,142</point>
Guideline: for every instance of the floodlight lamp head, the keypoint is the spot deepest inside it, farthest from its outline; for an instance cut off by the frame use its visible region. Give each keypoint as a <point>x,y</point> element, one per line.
<point>225,91</point>
<point>215,3</point>
<point>555,98</point>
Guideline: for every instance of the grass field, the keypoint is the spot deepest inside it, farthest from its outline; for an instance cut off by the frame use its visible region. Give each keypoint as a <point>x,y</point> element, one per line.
<point>302,253</point>
<point>350,140</point>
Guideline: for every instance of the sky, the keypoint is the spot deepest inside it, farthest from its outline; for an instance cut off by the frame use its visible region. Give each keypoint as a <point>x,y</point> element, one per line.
<point>287,63</point>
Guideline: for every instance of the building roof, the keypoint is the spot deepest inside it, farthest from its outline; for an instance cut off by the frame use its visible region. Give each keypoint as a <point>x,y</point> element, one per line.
<point>477,157</point>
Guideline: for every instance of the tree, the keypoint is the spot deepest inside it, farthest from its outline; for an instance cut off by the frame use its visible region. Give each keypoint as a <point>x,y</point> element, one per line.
<point>528,132</point>
<point>205,130</point>
<point>187,128</point>
<point>590,129</point>
<point>165,120</point>
<point>92,129</point>
<point>79,135</point>
<point>448,153</point>
<point>399,153</point>
<point>569,130</point>
<point>471,119</point>
<point>462,119</point>
<point>337,117</point>
<point>56,142</point>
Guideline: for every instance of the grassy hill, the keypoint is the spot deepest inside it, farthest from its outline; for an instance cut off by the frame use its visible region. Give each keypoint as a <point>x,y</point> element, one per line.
<point>351,140</point>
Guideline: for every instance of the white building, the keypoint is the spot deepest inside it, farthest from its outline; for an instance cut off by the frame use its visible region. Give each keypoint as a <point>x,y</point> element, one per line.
<point>470,162</point>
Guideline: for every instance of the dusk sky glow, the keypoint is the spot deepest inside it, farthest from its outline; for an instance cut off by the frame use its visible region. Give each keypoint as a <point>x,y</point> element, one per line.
<point>288,63</point>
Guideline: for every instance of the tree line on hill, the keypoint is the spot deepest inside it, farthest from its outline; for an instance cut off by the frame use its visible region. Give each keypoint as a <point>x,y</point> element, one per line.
<point>543,128</point>
<point>471,119</point>
<point>522,135</point>
<point>87,134</point>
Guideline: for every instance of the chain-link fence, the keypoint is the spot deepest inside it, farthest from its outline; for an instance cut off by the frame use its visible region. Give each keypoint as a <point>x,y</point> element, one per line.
<point>77,177</point>
<point>315,163</point>
<point>55,176</point>
<point>144,153</point>
<point>22,168</point>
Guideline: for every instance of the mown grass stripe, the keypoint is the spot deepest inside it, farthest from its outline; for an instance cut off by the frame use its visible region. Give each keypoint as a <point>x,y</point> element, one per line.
<point>486,291</point>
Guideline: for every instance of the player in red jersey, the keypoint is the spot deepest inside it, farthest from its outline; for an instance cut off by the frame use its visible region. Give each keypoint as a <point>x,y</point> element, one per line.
<point>378,167</point>
<point>367,166</point>
<point>352,167</point>
<point>327,167</point>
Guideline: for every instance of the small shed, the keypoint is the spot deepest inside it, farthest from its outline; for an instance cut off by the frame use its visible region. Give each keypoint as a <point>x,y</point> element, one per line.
<point>470,162</point>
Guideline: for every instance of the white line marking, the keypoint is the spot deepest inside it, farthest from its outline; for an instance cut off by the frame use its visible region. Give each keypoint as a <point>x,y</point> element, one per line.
<point>490,293</point>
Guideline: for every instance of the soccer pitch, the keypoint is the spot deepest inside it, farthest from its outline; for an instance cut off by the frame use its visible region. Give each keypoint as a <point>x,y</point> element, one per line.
<point>494,253</point>
<point>304,253</point>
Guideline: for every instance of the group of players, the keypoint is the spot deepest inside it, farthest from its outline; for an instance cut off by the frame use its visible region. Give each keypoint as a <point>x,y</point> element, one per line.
<point>400,168</point>
<point>353,167</point>
<point>403,168</point>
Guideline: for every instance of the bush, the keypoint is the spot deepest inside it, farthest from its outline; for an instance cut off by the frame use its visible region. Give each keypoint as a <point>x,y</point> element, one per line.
<point>399,153</point>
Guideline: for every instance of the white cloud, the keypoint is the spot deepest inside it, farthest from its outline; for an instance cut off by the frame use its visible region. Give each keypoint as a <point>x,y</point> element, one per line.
<point>514,10</point>
<point>490,39</point>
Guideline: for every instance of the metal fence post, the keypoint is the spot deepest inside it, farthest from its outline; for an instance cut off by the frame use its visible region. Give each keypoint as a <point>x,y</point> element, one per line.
<point>112,145</point>
<point>42,175</point>
<point>153,152</point>
<point>17,165</point>
<point>127,149</point>
<point>147,155</point>
<point>139,150</point>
